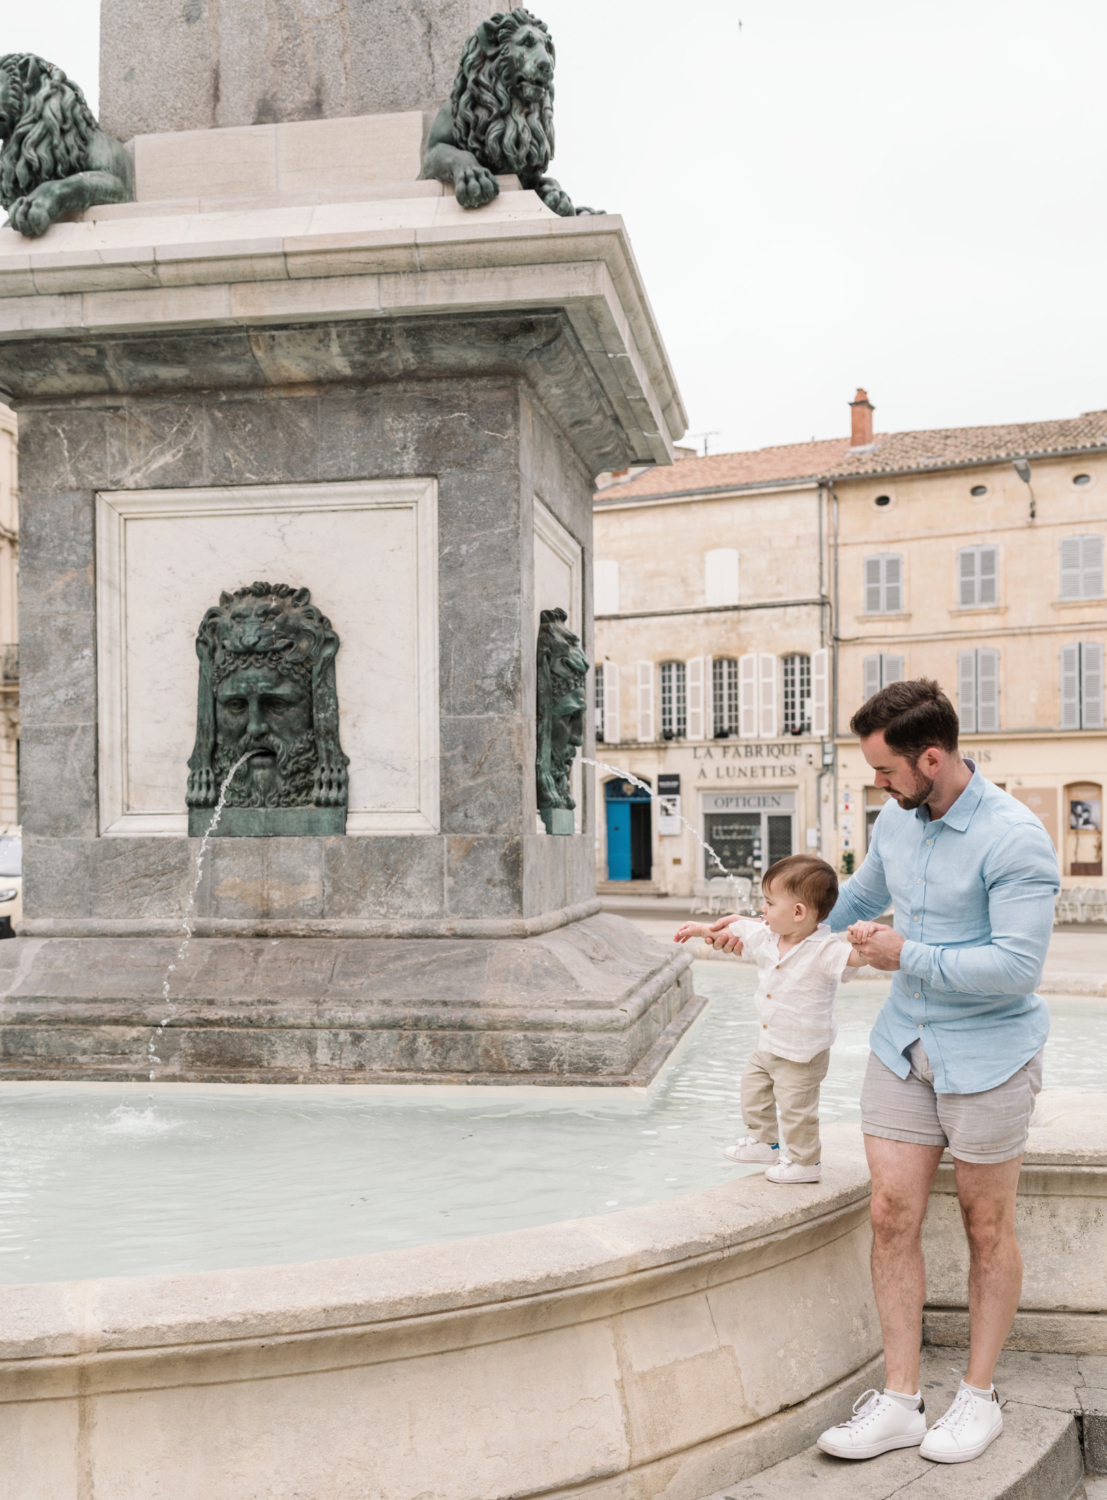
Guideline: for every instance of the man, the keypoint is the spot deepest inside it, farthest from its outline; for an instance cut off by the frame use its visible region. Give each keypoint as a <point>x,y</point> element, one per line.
<point>956,1050</point>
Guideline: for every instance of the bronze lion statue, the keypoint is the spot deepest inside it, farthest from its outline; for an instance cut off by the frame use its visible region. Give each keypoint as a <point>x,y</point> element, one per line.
<point>499,117</point>
<point>55,158</point>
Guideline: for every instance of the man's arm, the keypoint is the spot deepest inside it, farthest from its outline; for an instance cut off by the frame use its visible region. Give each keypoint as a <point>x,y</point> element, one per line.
<point>1021,873</point>
<point>865,894</point>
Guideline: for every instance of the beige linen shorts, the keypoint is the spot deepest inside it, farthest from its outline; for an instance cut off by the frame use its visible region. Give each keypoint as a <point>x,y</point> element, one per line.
<point>987,1127</point>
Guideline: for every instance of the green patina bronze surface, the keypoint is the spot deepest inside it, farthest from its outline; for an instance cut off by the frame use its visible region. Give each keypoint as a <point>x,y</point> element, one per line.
<point>499,118</point>
<point>55,158</point>
<point>267,692</point>
<point>562,670</point>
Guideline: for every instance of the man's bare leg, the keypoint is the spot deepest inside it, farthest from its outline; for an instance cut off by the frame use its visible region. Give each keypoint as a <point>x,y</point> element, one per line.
<point>902,1174</point>
<point>986,1193</point>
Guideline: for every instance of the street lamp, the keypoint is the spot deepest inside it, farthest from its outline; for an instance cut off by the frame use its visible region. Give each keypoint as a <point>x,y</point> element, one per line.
<point>1022,469</point>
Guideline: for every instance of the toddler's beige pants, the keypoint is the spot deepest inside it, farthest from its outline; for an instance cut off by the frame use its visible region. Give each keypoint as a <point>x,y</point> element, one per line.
<point>772,1083</point>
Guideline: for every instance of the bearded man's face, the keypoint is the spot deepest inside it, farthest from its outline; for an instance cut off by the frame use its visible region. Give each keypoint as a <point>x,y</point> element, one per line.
<point>268,718</point>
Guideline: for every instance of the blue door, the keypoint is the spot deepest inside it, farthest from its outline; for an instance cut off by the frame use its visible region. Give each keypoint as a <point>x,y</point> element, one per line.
<point>618,839</point>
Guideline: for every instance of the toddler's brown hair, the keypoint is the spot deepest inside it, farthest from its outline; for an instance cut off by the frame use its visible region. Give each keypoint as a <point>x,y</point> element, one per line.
<point>810,879</point>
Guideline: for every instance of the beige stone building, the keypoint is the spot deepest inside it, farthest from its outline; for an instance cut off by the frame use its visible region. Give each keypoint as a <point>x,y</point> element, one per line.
<point>9,636</point>
<point>746,604</point>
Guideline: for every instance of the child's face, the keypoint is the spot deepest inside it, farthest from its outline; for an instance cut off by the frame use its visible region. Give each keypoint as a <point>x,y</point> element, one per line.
<point>782,912</point>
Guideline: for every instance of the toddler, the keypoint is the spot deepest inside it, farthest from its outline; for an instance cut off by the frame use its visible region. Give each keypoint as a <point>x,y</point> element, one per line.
<point>799,963</point>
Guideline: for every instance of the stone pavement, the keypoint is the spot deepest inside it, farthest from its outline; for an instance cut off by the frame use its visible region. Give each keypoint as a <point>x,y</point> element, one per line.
<point>1047,1400</point>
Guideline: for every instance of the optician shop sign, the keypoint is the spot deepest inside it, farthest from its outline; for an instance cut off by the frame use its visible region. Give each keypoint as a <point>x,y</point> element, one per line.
<point>748,802</point>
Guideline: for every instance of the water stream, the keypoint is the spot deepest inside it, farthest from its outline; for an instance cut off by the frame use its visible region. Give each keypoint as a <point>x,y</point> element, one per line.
<point>152,1057</point>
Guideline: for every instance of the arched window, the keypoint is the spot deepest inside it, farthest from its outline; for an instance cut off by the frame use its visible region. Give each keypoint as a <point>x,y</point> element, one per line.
<point>797,695</point>
<point>724,695</point>
<point>674,712</point>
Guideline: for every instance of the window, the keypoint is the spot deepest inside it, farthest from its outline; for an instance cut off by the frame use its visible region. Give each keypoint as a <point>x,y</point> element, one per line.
<point>605,584</point>
<point>674,713</point>
<point>883,500</point>
<point>884,584</point>
<point>720,576</point>
<point>724,696</point>
<point>1082,685</point>
<point>1082,567</point>
<point>1081,479</point>
<point>978,690</point>
<point>978,491</point>
<point>607,703</point>
<point>976,577</point>
<point>879,671</point>
<point>797,695</point>
<point>599,705</point>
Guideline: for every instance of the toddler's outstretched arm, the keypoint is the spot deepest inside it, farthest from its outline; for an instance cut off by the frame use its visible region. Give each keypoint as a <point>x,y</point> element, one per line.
<point>703,930</point>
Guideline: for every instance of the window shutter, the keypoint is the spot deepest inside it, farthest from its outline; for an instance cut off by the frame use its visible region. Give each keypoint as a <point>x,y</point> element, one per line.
<point>645,700</point>
<point>987,564</point>
<point>893,584</point>
<point>747,696</point>
<point>891,669</point>
<point>1071,556</point>
<point>766,696</point>
<point>820,692</point>
<point>874,593</point>
<point>966,690</point>
<point>597,677</point>
<point>1070,686</point>
<point>966,596</point>
<point>1092,568</point>
<point>720,576</point>
<point>611,733</point>
<point>1091,685</point>
<point>987,690</point>
<point>872,677</point>
<point>696,698</point>
<point>605,587</point>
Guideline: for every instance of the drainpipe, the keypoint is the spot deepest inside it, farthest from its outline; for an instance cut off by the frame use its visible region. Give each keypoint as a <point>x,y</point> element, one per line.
<point>834,663</point>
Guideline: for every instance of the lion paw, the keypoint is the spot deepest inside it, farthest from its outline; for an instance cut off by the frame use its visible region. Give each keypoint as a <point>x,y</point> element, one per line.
<point>30,216</point>
<point>475,186</point>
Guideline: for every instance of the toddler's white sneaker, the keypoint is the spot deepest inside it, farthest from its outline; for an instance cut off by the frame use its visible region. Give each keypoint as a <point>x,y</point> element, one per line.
<point>878,1425</point>
<point>788,1171</point>
<point>747,1149</point>
<point>971,1423</point>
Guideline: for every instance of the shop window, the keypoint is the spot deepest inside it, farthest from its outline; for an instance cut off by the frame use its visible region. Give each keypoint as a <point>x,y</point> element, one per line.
<point>1082,567</point>
<point>797,695</point>
<point>1083,806</point>
<point>674,703</point>
<point>1082,685</point>
<point>978,690</point>
<point>884,583</point>
<point>724,696</point>
<point>977,583</point>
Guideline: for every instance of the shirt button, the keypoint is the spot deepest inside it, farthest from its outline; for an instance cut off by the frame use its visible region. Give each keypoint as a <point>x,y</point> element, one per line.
<point>930,841</point>
<point>914,919</point>
<point>919,881</point>
<point>917,995</point>
<point>921,1025</point>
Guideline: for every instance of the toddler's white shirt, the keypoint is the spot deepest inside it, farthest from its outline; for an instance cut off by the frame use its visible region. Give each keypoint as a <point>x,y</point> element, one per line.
<point>795,992</point>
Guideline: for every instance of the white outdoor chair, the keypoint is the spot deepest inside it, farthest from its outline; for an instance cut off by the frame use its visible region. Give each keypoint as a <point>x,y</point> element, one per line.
<point>1094,905</point>
<point>718,893</point>
<point>1065,907</point>
<point>701,894</point>
<point>1080,894</point>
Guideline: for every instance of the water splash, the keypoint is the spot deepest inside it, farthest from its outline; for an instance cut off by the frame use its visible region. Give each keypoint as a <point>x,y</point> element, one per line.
<point>124,1120</point>
<point>151,1054</point>
<point>602,765</point>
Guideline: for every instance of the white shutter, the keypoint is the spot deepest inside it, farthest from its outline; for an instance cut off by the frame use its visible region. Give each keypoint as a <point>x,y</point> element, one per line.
<point>696,699</point>
<point>611,735</point>
<point>966,690</point>
<point>1091,568</point>
<point>1070,686</point>
<point>766,696</point>
<point>747,696</point>
<point>966,595</point>
<point>720,576</point>
<point>893,584</point>
<point>987,690</point>
<point>645,700</point>
<point>605,587</point>
<point>872,677</point>
<point>1071,554</point>
<point>874,591</point>
<point>820,692</point>
<point>1091,685</point>
<point>891,669</point>
<point>987,571</point>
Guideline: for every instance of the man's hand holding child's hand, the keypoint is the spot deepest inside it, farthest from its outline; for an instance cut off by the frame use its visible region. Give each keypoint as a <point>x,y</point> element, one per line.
<point>877,944</point>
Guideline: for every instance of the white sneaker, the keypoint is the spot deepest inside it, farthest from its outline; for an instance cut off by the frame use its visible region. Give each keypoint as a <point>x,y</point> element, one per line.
<point>788,1171</point>
<point>747,1149</point>
<point>878,1425</point>
<point>971,1423</point>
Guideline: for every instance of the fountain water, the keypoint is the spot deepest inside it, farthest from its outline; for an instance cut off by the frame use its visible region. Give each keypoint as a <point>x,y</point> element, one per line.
<point>602,765</point>
<point>152,1056</point>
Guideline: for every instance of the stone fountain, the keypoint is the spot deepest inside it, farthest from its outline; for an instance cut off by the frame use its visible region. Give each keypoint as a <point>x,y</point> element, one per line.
<point>312,386</point>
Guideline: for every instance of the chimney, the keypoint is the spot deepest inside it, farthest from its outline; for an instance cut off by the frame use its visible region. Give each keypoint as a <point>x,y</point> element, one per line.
<point>861,423</point>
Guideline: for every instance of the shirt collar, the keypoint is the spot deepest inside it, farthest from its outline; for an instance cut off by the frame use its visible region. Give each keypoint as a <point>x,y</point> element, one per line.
<point>959,816</point>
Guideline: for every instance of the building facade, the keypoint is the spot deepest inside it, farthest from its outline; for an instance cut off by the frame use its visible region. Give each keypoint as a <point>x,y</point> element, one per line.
<point>9,619</point>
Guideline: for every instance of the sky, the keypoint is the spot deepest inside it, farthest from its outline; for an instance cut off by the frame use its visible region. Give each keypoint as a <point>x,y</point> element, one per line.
<point>823,194</point>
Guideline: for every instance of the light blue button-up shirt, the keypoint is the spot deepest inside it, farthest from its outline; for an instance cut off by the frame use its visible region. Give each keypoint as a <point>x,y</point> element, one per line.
<point>973,895</point>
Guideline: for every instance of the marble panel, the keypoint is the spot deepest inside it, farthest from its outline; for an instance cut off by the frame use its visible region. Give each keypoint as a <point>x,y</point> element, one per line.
<point>484,876</point>
<point>483,791</point>
<point>57,780</point>
<point>138,877</point>
<point>57,665</point>
<point>55,551</point>
<point>183,163</point>
<point>384,877</point>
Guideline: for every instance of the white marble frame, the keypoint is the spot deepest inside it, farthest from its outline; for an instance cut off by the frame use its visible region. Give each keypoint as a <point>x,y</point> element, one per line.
<point>115,508</point>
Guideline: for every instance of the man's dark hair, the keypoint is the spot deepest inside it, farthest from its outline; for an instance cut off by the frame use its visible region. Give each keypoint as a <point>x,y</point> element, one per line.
<point>912,716</point>
<point>809,879</point>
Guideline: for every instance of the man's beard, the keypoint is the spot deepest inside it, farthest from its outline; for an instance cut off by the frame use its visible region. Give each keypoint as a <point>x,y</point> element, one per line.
<point>295,771</point>
<point>924,785</point>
